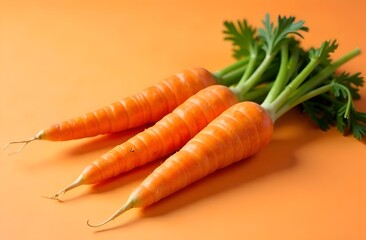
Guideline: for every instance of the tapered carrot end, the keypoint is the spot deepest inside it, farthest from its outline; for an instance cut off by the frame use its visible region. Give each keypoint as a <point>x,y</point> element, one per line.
<point>127,206</point>
<point>23,142</point>
<point>79,181</point>
<point>56,196</point>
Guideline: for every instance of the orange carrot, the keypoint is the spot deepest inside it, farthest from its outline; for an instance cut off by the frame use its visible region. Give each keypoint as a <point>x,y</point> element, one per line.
<point>244,128</point>
<point>164,138</point>
<point>147,106</point>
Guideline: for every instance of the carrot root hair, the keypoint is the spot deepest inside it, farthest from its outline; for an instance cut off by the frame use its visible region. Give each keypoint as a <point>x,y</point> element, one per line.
<point>127,206</point>
<point>23,142</point>
<point>79,181</point>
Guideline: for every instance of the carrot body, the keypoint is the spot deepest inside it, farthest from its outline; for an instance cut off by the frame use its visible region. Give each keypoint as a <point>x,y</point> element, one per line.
<point>162,139</point>
<point>238,133</point>
<point>165,137</point>
<point>147,106</point>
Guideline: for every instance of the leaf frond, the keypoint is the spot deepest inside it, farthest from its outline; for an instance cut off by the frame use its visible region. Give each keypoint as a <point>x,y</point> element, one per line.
<point>243,38</point>
<point>273,37</point>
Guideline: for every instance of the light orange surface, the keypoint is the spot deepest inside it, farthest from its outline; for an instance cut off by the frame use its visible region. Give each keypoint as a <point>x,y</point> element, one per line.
<point>59,60</point>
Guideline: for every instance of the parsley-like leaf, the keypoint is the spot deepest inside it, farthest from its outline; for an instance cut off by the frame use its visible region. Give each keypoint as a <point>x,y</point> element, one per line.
<point>320,112</point>
<point>358,126</point>
<point>242,36</point>
<point>355,123</point>
<point>337,108</point>
<point>273,36</point>
<point>322,53</point>
<point>348,119</point>
<point>352,82</point>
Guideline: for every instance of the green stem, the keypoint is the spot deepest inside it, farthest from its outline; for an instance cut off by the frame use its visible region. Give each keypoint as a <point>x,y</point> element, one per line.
<point>302,99</point>
<point>349,99</point>
<point>258,92</point>
<point>280,80</point>
<point>232,77</point>
<point>326,72</point>
<point>292,86</point>
<point>220,74</point>
<point>250,66</point>
<point>244,86</point>
<point>293,65</point>
<point>292,97</point>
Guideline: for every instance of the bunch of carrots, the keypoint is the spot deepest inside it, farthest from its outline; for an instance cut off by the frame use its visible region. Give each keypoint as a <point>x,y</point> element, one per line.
<point>204,121</point>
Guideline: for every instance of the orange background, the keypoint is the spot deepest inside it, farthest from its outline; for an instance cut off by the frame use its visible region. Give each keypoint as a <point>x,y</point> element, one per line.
<point>65,58</point>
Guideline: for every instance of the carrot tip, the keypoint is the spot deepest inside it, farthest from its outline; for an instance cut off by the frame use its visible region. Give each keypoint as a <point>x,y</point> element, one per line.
<point>55,196</point>
<point>23,142</point>
<point>97,225</point>
<point>128,205</point>
<point>77,182</point>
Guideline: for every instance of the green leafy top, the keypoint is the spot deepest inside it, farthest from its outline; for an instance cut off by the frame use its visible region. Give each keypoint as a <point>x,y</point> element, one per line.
<point>337,106</point>
<point>274,36</point>
<point>299,77</point>
<point>259,48</point>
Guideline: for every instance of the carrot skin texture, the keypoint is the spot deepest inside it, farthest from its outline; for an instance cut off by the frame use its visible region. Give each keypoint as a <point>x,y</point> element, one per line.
<point>165,137</point>
<point>147,106</point>
<point>238,133</point>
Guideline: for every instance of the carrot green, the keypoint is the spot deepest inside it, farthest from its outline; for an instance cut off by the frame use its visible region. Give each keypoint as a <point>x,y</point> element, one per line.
<point>305,77</point>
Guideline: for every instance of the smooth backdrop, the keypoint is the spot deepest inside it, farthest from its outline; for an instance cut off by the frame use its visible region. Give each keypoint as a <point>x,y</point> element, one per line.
<point>59,59</point>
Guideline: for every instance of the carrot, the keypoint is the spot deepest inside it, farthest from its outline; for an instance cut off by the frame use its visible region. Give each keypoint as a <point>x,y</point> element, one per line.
<point>172,132</point>
<point>160,140</point>
<point>150,105</point>
<point>147,106</point>
<point>247,127</point>
<point>239,132</point>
